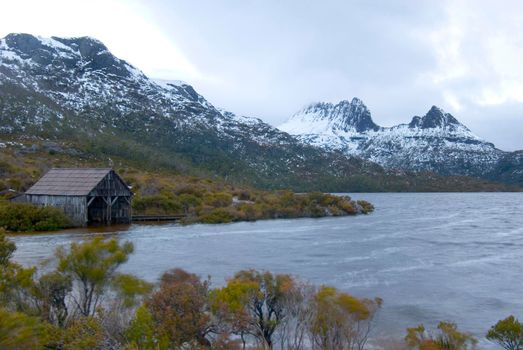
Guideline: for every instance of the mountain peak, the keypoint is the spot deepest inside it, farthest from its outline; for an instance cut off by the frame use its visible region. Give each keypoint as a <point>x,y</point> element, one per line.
<point>356,101</point>
<point>86,52</point>
<point>28,43</point>
<point>436,118</point>
<point>87,46</point>
<point>344,116</point>
<point>354,115</point>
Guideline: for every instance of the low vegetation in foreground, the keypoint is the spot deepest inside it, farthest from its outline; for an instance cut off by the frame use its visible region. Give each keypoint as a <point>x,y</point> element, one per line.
<point>81,301</point>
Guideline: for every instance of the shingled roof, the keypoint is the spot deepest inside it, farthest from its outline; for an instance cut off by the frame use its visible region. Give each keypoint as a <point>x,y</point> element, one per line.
<point>69,181</point>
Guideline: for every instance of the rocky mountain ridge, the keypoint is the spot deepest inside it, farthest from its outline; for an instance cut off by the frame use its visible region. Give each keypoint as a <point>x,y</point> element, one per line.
<point>435,142</point>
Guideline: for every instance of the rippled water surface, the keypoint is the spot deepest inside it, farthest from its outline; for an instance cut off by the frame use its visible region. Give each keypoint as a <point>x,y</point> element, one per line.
<point>429,256</point>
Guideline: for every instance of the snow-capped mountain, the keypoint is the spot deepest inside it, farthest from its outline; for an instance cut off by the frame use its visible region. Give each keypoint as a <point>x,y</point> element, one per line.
<point>435,142</point>
<point>75,92</point>
<point>74,89</point>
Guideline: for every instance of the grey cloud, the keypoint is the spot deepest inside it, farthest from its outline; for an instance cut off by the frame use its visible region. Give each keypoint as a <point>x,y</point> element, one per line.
<point>270,58</point>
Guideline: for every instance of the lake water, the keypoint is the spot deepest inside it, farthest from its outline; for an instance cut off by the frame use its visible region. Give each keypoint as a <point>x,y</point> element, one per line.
<point>431,257</point>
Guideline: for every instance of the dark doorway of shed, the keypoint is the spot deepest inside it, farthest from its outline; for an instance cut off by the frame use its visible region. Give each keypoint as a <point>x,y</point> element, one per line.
<point>97,212</point>
<point>109,210</point>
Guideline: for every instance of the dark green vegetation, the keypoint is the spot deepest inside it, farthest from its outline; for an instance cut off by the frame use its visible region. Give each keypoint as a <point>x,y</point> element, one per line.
<point>509,169</point>
<point>18,217</point>
<point>81,301</point>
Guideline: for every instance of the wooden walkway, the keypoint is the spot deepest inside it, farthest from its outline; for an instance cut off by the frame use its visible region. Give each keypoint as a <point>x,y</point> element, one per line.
<point>158,217</point>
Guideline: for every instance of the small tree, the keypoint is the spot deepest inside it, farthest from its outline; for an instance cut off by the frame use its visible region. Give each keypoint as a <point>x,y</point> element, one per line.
<point>52,290</point>
<point>127,293</point>
<point>256,301</point>
<point>293,330</point>
<point>92,266</point>
<point>228,307</point>
<point>341,321</point>
<point>180,309</point>
<point>142,332</point>
<point>508,333</point>
<point>16,282</point>
<point>7,248</point>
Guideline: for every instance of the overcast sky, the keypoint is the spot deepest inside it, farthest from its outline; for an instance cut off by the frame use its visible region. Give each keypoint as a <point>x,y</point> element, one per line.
<point>269,58</point>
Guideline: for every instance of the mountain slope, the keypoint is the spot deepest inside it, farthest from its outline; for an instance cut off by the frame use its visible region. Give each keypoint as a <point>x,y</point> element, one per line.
<point>436,142</point>
<point>75,89</point>
<point>75,93</point>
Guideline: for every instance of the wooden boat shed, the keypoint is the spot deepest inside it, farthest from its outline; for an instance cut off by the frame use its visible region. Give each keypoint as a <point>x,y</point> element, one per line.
<point>86,195</point>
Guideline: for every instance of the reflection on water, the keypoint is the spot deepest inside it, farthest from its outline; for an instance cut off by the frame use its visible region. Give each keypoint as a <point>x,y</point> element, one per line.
<point>429,256</point>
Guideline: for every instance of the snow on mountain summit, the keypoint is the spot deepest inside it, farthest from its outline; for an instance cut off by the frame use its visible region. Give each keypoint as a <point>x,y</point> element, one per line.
<point>435,142</point>
<point>327,118</point>
<point>80,72</point>
<point>436,118</point>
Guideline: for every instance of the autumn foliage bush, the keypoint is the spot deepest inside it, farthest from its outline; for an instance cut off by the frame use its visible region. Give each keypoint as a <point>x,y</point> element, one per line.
<point>446,337</point>
<point>85,303</point>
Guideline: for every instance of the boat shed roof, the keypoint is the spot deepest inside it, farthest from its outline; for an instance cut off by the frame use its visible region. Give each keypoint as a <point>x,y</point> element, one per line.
<point>69,181</point>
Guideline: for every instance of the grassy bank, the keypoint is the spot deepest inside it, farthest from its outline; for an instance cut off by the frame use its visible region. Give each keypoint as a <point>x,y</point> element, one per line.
<point>208,201</point>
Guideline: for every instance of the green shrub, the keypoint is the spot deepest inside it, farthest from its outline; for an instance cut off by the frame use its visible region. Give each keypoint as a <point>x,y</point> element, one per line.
<point>157,204</point>
<point>316,196</point>
<point>189,201</point>
<point>217,216</point>
<point>315,211</point>
<point>218,199</point>
<point>332,200</point>
<point>335,211</point>
<point>347,207</point>
<point>19,217</point>
<point>194,190</point>
<point>250,212</point>
<point>5,168</point>
<point>16,184</point>
<point>365,206</point>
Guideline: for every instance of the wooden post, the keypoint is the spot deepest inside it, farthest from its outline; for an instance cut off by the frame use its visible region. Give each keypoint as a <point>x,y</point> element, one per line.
<point>109,213</point>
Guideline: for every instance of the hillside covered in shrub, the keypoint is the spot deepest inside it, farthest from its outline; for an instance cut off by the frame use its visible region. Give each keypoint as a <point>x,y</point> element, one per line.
<point>164,192</point>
